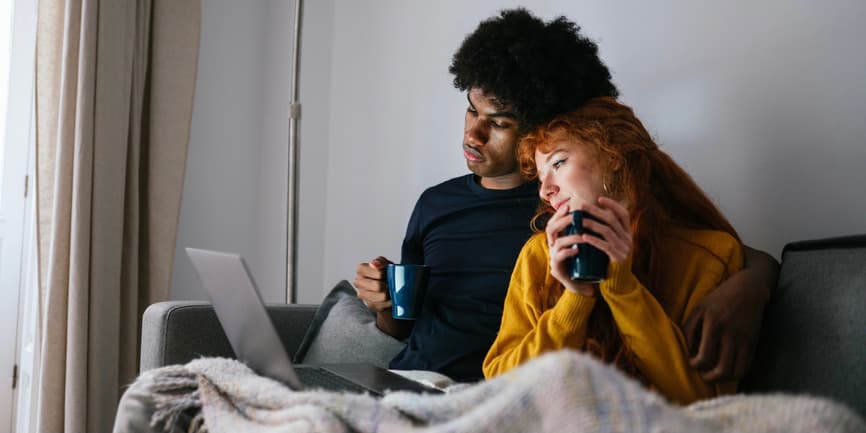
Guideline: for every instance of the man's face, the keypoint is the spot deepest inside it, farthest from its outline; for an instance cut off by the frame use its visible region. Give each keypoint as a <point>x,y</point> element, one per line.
<point>490,137</point>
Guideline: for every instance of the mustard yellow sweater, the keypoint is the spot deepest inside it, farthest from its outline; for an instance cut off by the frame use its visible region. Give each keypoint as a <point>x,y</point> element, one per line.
<point>536,320</point>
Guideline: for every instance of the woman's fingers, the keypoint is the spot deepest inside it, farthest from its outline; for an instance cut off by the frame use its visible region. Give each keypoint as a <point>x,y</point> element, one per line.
<point>609,212</point>
<point>613,230</point>
<point>613,241</point>
<point>615,252</point>
<point>557,223</point>
<point>564,248</point>
<point>560,251</point>
<point>619,211</point>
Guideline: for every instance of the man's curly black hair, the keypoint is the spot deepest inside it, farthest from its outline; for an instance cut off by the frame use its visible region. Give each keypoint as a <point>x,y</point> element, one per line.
<point>540,69</point>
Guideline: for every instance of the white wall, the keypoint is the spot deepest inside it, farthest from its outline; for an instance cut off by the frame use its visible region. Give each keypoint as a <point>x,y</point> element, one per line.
<point>234,191</point>
<point>763,102</point>
<point>315,97</point>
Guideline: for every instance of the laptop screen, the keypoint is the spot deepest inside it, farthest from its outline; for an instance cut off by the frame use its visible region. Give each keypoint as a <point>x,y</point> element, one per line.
<point>242,314</point>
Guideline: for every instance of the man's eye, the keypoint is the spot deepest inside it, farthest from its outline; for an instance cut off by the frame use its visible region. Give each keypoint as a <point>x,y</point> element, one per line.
<point>498,125</point>
<point>471,109</point>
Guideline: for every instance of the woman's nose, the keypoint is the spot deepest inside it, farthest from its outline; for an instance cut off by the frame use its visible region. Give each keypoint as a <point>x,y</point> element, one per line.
<point>547,188</point>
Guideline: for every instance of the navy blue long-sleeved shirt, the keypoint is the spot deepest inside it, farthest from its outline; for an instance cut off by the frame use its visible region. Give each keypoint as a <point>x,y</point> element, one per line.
<point>470,237</point>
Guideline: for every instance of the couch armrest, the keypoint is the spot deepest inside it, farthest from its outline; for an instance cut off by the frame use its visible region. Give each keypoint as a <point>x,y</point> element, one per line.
<point>176,332</point>
<point>812,338</point>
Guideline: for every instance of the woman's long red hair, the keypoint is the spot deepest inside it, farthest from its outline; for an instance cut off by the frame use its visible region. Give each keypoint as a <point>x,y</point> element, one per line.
<point>657,192</point>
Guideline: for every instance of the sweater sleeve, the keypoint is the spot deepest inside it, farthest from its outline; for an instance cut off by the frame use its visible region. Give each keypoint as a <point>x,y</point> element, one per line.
<point>654,338</point>
<point>528,327</point>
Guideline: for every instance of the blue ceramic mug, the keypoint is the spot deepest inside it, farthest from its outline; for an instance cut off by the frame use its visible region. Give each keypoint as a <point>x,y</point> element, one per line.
<point>407,285</point>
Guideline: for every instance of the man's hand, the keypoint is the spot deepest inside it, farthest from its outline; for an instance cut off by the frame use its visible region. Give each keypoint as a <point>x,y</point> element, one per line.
<point>722,330</point>
<point>372,288</point>
<point>371,284</point>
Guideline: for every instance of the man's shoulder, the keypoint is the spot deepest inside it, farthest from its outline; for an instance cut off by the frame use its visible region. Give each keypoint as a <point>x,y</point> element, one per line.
<point>468,184</point>
<point>450,185</point>
<point>444,192</point>
<point>465,192</point>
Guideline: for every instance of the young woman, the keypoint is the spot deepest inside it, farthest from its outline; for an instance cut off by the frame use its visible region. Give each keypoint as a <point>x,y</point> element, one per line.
<point>667,242</point>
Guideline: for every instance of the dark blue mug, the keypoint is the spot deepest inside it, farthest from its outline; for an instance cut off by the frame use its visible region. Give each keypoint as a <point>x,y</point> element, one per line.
<point>407,285</point>
<point>589,265</point>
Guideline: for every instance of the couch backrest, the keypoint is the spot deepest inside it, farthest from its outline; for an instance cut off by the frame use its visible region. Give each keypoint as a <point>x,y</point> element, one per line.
<point>176,332</point>
<point>813,339</point>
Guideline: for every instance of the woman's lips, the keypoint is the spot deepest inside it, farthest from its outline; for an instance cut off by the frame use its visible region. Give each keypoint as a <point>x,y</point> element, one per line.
<point>560,204</point>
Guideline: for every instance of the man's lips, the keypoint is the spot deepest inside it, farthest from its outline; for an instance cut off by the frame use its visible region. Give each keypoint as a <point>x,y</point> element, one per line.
<point>472,154</point>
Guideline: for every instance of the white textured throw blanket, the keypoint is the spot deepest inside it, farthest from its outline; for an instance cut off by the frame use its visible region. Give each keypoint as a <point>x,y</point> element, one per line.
<point>560,392</point>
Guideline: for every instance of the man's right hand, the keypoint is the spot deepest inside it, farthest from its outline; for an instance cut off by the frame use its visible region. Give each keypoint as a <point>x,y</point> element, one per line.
<point>372,285</point>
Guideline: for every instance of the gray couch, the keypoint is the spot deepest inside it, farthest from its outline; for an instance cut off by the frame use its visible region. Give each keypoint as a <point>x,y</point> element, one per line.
<point>813,339</point>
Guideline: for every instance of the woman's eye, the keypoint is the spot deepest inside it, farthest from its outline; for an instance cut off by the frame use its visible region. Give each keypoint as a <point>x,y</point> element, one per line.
<point>558,163</point>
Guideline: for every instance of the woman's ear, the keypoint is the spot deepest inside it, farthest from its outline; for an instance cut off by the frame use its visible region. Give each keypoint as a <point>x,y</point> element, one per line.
<point>614,163</point>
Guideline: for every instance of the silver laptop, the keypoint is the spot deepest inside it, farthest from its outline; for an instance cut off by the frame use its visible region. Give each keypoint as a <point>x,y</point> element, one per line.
<point>255,341</point>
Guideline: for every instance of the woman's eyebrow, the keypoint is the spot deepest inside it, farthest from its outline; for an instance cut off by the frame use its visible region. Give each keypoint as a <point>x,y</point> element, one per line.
<point>552,154</point>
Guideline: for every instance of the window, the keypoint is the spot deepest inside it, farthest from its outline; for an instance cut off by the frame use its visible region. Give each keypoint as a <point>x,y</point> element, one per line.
<point>17,240</point>
<point>5,48</point>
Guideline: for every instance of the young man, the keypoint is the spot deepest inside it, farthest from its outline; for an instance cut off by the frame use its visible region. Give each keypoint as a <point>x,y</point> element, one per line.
<point>519,72</point>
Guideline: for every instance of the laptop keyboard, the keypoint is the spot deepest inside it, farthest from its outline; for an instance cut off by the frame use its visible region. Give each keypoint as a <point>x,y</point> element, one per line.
<point>315,377</point>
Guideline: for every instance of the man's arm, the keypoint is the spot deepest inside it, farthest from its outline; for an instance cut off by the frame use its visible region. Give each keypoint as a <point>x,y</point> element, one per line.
<point>399,329</point>
<point>722,331</point>
<point>372,289</point>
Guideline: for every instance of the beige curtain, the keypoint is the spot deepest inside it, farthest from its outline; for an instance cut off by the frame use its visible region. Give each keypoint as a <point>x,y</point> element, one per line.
<point>114,90</point>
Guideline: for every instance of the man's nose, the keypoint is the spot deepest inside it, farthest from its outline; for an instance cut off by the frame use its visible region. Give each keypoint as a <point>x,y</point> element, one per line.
<point>475,133</point>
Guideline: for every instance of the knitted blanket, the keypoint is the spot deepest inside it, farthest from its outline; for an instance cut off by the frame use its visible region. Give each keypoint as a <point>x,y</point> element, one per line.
<point>564,391</point>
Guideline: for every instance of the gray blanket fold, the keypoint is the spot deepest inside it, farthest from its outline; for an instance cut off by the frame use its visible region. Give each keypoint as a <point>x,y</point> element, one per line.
<point>557,392</point>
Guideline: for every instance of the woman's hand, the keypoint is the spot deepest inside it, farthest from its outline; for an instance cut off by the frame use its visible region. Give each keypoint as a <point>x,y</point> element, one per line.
<point>614,232</point>
<point>563,247</point>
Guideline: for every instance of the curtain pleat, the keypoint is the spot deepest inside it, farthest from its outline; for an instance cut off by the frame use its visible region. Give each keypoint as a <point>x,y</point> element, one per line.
<point>113,78</point>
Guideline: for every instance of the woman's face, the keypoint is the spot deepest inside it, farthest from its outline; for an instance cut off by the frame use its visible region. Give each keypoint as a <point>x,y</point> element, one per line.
<point>569,174</point>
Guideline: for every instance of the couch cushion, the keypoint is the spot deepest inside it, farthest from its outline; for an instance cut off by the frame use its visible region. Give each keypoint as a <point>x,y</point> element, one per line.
<point>344,330</point>
<point>813,339</point>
